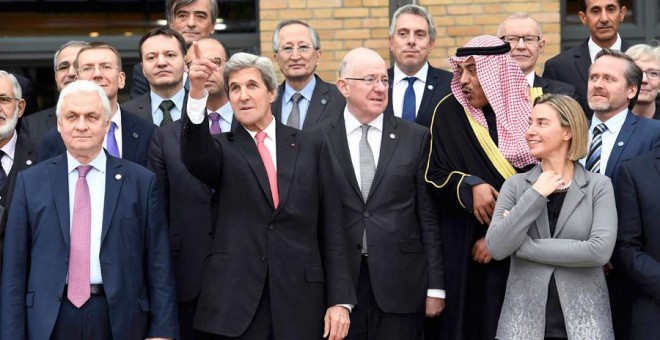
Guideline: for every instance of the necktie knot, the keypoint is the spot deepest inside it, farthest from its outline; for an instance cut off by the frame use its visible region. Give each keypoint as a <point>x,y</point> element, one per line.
<point>113,126</point>
<point>214,116</point>
<point>296,97</point>
<point>261,136</point>
<point>83,170</point>
<point>365,130</point>
<point>411,80</point>
<point>600,128</point>
<point>166,105</point>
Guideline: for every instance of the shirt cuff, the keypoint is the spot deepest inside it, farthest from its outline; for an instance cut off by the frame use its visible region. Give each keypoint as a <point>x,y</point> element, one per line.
<point>348,306</point>
<point>436,293</point>
<point>196,108</point>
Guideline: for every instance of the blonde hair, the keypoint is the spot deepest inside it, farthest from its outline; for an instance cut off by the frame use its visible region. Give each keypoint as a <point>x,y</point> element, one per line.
<point>572,116</point>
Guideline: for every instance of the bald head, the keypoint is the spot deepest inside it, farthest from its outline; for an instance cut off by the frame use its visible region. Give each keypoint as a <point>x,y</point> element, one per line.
<point>363,81</point>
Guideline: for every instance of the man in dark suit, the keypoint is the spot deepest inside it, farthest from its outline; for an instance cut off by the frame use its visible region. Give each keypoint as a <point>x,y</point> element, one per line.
<point>603,18</point>
<point>162,52</point>
<point>524,35</point>
<point>36,125</point>
<point>17,152</point>
<point>193,19</point>
<point>392,228</point>
<point>412,35</point>
<point>191,206</point>
<point>304,101</point>
<point>278,258</point>
<point>129,135</point>
<point>87,252</point>
<point>616,135</point>
<point>30,97</point>
<point>637,251</point>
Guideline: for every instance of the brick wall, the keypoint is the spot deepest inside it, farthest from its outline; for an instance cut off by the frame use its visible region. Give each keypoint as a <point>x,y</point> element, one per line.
<point>346,24</point>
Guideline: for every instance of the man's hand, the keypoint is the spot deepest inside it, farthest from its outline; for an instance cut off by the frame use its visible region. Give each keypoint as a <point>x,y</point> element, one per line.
<point>199,70</point>
<point>434,306</point>
<point>480,251</point>
<point>337,322</point>
<point>483,202</point>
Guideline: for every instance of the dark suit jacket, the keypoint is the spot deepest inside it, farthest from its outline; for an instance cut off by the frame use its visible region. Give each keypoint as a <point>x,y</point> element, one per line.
<point>134,256</point>
<point>555,87</point>
<point>190,208</point>
<point>438,85</point>
<point>403,232</point>
<point>299,248</point>
<point>31,104</point>
<point>140,85</point>
<point>638,245</point>
<point>572,67</point>
<point>326,104</point>
<point>25,155</point>
<point>136,137</point>
<point>637,136</point>
<point>36,125</point>
<point>140,106</point>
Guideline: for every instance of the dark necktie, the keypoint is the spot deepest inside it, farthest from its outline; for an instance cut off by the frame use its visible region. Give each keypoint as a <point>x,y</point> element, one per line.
<point>367,171</point>
<point>294,117</point>
<point>78,291</point>
<point>166,106</point>
<point>215,123</point>
<point>593,159</point>
<point>409,101</point>
<point>3,174</point>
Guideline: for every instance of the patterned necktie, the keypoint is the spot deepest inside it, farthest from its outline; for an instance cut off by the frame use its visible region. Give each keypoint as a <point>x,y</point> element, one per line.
<point>78,291</point>
<point>270,167</point>
<point>294,117</point>
<point>215,123</point>
<point>409,100</point>
<point>3,174</point>
<point>166,106</point>
<point>593,158</point>
<point>112,147</point>
<point>367,171</point>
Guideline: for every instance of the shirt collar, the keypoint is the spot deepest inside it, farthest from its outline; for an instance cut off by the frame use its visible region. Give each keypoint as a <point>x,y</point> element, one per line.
<point>226,112</point>
<point>594,49</point>
<point>613,124</point>
<point>353,124</point>
<point>116,118</point>
<point>421,74</point>
<point>530,77</point>
<point>10,147</point>
<point>306,92</point>
<point>269,130</point>
<point>98,163</point>
<point>177,99</point>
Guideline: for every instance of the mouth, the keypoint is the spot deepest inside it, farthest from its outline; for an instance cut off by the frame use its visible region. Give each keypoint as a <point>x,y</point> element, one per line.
<point>163,73</point>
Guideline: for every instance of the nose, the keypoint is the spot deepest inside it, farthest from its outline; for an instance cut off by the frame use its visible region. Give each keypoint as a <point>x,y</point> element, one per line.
<point>520,44</point>
<point>97,72</point>
<point>161,59</point>
<point>603,16</point>
<point>80,123</point>
<point>244,94</point>
<point>465,78</point>
<point>71,72</point>
<point>411,39</point>
<point>645,78</point>
<point>191,21</point>
<point>381,86</point>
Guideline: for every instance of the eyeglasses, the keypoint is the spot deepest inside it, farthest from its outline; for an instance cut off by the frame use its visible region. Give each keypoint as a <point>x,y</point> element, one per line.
<point>63,67</point>
<point>514,39</point>
<point>652,73</point>
<point>6,100</point>
<point>370,80</point>
<point>104,68</point>
<point>301,49</point>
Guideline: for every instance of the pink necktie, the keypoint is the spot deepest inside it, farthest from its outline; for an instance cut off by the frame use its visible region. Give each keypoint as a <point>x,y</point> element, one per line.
<point>270,168</point>
<point>78,290</point>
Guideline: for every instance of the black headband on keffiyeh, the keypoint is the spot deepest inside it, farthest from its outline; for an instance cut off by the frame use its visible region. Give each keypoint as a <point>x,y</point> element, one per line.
<point>507,91</point>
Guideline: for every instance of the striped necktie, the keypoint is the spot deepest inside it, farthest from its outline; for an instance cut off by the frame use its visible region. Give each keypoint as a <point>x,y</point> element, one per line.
<point>593,158</point>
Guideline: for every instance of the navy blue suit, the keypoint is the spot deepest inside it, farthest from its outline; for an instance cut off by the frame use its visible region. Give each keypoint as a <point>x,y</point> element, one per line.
<point>134,254</point>
<point>638,243</point>
<point>136,137</point>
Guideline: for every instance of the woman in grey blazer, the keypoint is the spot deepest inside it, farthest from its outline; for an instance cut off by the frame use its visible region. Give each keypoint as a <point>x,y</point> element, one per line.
<point>558,223</point>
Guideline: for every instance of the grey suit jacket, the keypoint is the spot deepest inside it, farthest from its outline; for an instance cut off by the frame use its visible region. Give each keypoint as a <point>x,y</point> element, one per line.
<point>583,242</point>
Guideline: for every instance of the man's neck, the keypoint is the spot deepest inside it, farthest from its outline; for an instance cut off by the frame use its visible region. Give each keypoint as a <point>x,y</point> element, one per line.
<point>411,70</point>
<point>114,106</point>
<point>604,116</point>
<point>605,43</point>
<point>299,83</point>
<point>167,92</point>
<point>215,102</point>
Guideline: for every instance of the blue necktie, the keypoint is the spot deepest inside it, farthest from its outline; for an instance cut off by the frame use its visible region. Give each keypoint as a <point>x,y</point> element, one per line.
<point>112,147</point>
<point>593,159</point>
<point>408,112</point>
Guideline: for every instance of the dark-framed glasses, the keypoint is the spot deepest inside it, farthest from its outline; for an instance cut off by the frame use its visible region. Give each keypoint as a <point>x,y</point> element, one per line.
<point>514,39</point>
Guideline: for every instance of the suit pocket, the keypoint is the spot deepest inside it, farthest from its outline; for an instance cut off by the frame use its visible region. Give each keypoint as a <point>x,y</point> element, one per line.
<point>411,246</point>
<point>144,304</point>
<point>314,274</point>
<point>29,299</point>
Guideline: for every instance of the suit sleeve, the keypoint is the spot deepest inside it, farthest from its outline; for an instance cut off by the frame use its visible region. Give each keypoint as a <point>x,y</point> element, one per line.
<point>549,71</point>
<point>160,274</point>
<point>156,163</point>
<point>630,256</point>
<point>592,252</point>
<point>506,234</point>
<point>16,261</point>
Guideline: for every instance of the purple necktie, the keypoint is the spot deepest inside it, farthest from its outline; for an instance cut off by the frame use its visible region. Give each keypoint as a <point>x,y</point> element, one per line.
<point>78,291</point>
<point>215,123</point>
<point>112,147</point>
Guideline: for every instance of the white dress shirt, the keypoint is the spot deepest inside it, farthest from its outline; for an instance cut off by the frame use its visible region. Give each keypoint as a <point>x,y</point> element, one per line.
<point>116,118</point>
<point>400,85</point>
<point>608,138</point>
<point>175,112</point>
<point>7,160</point>
<point>594,49</point>
<point>96,182</point>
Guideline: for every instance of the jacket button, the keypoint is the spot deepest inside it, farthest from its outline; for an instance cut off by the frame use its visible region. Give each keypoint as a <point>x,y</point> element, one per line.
<point>59,299</point>
<point>271,227</point>
<point>365,214</point>
<point>264,258</point>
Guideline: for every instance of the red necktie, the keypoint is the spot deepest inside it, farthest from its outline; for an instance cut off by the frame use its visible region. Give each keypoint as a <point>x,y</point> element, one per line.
<point>270,168</point>
<point>78,290</point>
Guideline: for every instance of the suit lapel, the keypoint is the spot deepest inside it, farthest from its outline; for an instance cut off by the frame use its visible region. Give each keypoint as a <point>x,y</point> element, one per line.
<point>339,143</point>
<point>389,141</point>
<point>573,197</point>
<point>59,183</point>
<point>626,132</point>
<point>583,61</point>
<point>114,175</point>
<point>542,222</point>
<point>129,135</point>
<point>657,159</point>
<point>317,104</point>
<point>24,157</point>
<point>247,148</point>
<point>276,107</point>
<point>287,155</point>
<point>429,91</point>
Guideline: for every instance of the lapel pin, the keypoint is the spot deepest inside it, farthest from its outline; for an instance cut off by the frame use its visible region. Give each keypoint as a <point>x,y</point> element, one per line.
<point>392,136</point>
<point>135,135</point>
<point>430,87</point>
<point>324,101</point>
<point>117,176</point>
<point>619,143</point>
<point>28,162</point>
<point>293,145</point>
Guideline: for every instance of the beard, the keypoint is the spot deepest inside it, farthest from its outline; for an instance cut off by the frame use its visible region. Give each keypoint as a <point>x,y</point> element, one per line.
<point>10,124</point>
<point>600,107</point>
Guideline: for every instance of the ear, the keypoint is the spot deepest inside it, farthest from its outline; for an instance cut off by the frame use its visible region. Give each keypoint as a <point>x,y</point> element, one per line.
<point>632,91</point>
<point>568,133</point>
<point>21,107</point>
<point>272,95</point>
<point>391,43</point>
<point>583,18</point>
<point>541,45</point>
<point>431,44</point>
<point>319,53</point>
<point>624,10</point>
<point>342,86</point>
<point>122,80</point>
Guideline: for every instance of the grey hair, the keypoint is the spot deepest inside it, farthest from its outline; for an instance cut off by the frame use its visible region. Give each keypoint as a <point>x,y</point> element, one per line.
<point>521,16</point>
<point>18,93</point>
<point>632,72</point>
<point>171,6</point>
<point>241,61</point>
<point>84,86</point>
<point>415,10</point>
<point>645,52</point>
<point>74,43</point>
<point>316,41</point>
